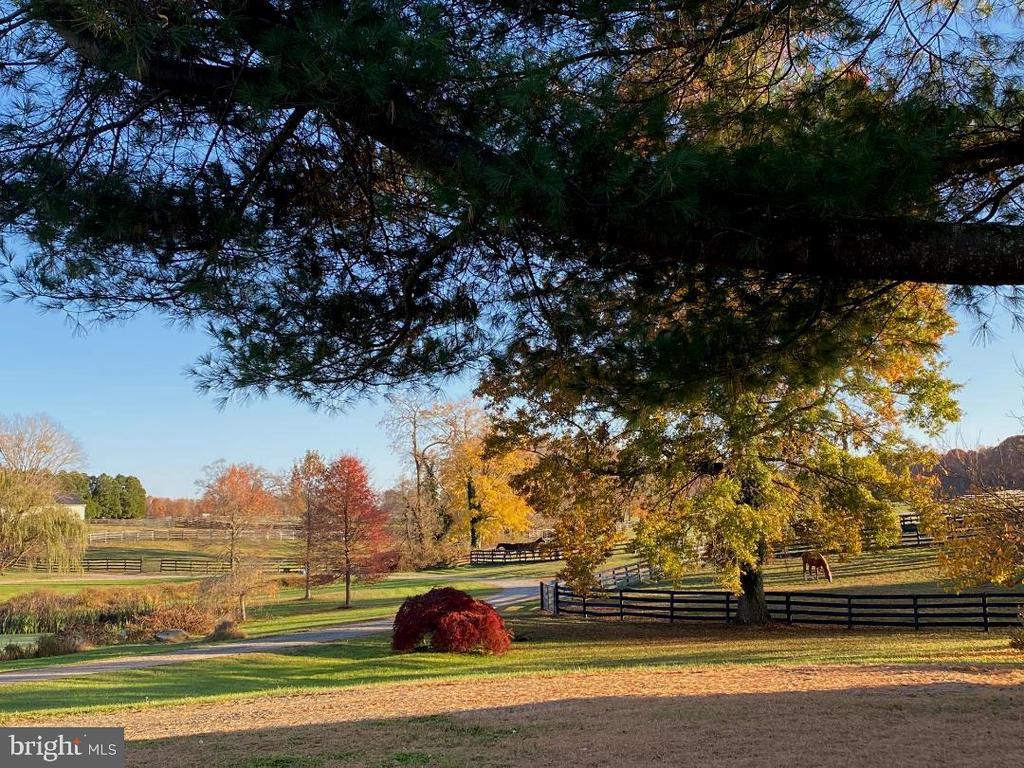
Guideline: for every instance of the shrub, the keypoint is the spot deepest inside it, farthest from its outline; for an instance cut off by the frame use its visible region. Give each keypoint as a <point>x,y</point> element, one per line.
<point>94,617</point>
<point>453,620</point>
<point>17,651</point>
<point>464,631</point>
<point>61,644</point>
<point>188,617</point>
<point>1017,636</point>
<point>41,610</point>
<point>227,629</point>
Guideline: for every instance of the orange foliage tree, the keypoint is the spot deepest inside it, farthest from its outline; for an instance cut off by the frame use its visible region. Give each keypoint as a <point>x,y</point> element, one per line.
<point>238,500</point>
<point>304,498</point>
<point>355,533</point>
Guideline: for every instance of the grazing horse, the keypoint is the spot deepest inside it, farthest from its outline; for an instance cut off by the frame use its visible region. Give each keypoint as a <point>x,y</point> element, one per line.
<point>528,546</point>
<point>814,562</point>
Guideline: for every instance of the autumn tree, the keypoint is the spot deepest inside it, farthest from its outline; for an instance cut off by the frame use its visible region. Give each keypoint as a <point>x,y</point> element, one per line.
<point>412,425</point>
<point>306,499</point>
<point>234,591</point>
<point>984,540</point>
<point>33,528</point>
<point>161,507</point>
<point>819,452</point>
<point>354,533</point>
<point>479,503</point>
<point>983,529</point>
<point>237,499</point>
<point>459,491</point>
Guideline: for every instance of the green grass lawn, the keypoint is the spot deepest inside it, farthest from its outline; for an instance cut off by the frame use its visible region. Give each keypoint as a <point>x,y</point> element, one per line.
<point>288,612</point>
<point>544,646</point>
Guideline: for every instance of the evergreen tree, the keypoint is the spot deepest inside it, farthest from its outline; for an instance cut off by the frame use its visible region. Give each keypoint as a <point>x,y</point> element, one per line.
<point>366,194</point>
<point>76,483</point>
<point>133,497</point>
<point>106,493</point>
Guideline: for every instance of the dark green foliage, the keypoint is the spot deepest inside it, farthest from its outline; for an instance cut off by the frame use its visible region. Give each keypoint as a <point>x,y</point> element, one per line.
<point>75,483</point>
<point>122,496</point>
<point>368,194</point>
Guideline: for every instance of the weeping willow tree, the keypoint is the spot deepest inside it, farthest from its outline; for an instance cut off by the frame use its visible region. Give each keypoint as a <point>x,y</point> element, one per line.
<point>33,527</point>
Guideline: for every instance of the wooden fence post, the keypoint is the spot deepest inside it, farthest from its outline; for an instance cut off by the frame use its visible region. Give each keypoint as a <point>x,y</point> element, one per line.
<point>554,586</point>
<point>584,606</point>
<point>542,595</point>
<point>671,607</point>
<point>984,611</point>
<point>917,615</point>
<point>728,606</point>
<point>849,612</point>
<point>789,610</point>
<point>622,614</point>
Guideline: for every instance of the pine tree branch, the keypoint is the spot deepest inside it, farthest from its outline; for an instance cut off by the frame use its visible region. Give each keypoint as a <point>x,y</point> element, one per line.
<point>880,249</point>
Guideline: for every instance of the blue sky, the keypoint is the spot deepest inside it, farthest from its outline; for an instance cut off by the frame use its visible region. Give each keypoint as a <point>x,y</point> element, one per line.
<point>123,392</point>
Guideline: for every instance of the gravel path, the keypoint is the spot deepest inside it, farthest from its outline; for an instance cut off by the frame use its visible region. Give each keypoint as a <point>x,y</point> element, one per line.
<point>512,593</point>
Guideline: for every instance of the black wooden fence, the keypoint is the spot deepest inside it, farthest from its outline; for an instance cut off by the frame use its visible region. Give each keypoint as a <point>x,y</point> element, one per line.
<point>981,610</point>
<point>539,555</point>
<point>122,565</point>
<point>624,575</point>
<point>207,566</point>
<point>181,565</point>
<point>89,564</point>
<point>504,557</point>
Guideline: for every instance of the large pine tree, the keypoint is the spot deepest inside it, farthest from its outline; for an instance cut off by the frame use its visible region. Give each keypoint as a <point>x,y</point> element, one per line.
<point>361,194</point>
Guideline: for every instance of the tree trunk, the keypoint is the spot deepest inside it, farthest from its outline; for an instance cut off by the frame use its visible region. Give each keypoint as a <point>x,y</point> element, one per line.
<point>309,550</point>
<point>241,608</point>
<point>348,587</point>
<point>752,608</point>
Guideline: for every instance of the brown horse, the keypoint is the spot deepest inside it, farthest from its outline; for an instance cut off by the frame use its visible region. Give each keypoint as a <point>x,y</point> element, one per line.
<point>813,562</point>
<point>528,546</point>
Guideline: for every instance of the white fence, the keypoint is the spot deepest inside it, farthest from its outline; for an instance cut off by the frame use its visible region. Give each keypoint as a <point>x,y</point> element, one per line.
<point>185,534</point>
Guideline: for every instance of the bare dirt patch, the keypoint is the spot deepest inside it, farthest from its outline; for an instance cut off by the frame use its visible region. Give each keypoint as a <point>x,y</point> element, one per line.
<point>734,715</point>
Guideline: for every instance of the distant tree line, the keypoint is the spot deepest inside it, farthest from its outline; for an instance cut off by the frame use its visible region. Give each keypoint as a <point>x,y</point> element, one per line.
<point>995,467</point>
<point>106,496</point>
<point>159,507</point>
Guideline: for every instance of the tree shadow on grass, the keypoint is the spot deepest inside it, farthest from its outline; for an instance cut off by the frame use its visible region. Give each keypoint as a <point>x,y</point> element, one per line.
<point>545,646</point>
<point>910,725</point>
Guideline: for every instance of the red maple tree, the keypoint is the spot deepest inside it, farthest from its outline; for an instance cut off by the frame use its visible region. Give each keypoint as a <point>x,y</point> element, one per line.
<point>358,543</point>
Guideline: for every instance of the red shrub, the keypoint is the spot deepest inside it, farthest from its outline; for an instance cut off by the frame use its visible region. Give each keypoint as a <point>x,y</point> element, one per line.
<point>454,621</point>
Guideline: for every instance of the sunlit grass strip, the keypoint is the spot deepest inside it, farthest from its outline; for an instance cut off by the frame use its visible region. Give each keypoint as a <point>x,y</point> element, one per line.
<point>546,647</point>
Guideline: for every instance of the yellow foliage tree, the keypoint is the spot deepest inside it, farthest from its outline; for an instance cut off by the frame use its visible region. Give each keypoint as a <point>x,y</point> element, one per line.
<point>985,540</point>
<point>476,492</point>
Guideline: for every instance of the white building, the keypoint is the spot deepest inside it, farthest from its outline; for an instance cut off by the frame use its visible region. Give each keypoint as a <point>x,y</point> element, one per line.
<point>72,503</point>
